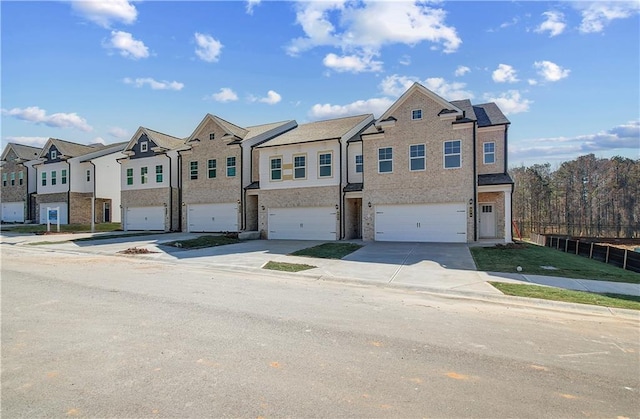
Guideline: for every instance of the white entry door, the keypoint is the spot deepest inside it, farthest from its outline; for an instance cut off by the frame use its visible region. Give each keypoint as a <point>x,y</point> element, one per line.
<point>63,214</point>
<point>13,212</point>
<point>487,221</point>
<point>212,217</point>
<point>422,223</point>
<point>310,223</point>
<point>145,218</point>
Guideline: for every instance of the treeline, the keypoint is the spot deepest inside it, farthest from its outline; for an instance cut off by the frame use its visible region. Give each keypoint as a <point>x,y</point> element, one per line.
<point>585,197</point>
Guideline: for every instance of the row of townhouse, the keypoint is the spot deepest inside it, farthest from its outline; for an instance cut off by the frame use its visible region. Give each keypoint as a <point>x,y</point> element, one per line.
<point>427,170</point>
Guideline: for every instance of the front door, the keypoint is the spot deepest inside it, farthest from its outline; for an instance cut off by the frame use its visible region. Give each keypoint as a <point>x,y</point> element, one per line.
<point>487,221</point>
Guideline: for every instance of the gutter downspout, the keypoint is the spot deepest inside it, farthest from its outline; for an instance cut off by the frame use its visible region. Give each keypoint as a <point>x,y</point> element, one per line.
<point>69,195</point>
<point>170,195</point>
<point>179,191</point>
<point>28,195</point>
<point>475,184</point>
<point>243,215</point>
<point>344,199</point>
<point>506,129</point>
<point>93,200</point>
<point>340,194</point>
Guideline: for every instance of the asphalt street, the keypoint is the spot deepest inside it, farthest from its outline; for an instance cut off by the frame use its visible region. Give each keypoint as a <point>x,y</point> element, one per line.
<point>107,336</point>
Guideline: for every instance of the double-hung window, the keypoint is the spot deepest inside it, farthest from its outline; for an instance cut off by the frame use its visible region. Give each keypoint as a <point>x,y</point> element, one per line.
<point>159,173</point>
<point>452,154</point>
<point>144,146</point>
<point>4,179</point>
<point>231,166</point>
<point>13,178</point>
<point>20,178</point>
<point>53,154</point>
<point>359,163</point>
<point>54,178</point>
<point>299,167</point>
<point>385,160</point>
<point>63,176</point>
<point>417,157</point>
<point>193,170</point>
<point>275,164</point>
<point>489,153</point>
<point>324,165</point>
<point>130,176</point>
<point>44,178</point>
<point>88,175</point>
<point>212,168</point>
<point>143,175</point>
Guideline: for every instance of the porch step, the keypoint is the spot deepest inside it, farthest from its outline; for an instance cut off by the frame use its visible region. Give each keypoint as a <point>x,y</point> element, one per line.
<point>249,235</point>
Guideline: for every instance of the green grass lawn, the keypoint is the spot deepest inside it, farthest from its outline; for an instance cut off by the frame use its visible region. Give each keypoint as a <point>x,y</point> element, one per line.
<point>328,250</point>
<point>569,296</point>
<point>204,241</point>
<point>287,267</point>
<point>64,228</point>
<point>532,257</point>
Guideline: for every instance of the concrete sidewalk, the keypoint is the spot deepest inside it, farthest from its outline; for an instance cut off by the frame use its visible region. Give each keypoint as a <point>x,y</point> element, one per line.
<point>442,267</point>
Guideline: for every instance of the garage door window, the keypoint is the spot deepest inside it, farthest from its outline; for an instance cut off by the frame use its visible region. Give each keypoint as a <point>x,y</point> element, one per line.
<point>212,168</point>
<point>417,157</point>
<point>324,164</point>
<point>159,174</point>
<point>385,160</point>
<point>452,156</point>
<point>276,168</point>
<point>299,167</point>
<point>143,175</point>
<point>129,176</point>
<point>231,166</point>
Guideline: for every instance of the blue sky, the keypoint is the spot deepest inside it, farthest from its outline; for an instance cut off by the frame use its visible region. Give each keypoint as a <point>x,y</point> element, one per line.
<point>567,74</point>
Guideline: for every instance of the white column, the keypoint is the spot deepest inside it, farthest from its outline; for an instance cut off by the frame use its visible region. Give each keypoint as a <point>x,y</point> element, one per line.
<point>507,217</point>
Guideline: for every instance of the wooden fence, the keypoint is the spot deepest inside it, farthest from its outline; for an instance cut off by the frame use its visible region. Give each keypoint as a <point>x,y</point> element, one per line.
<point>622,258</point>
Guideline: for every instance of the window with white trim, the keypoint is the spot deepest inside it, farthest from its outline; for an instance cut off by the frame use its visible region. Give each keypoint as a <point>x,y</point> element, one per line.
<point>489,153</point>
<point>13,178</point>
<point>231,166</point>
<point>324,165</point>
<point>275,165</point>
<point>130,176</point>
<point>385,160</point>
<point>44,178</point>
<point>300,167</point>
<point>212,167</point>
<point>143,175</point>
<point>452,154</point>
<point>4,179</point>
<point>54,178</point>
<point>416,114</point>
<point>417,157</point>
<point>53,154</point>
<point>159,175</point>
<point>63,176</point>
<point>359,163</point>
<point>20,178</point>
<point>144,146</point>
<point>193,170</point>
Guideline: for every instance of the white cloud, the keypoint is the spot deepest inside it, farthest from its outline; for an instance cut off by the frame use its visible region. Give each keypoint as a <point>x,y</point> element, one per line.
<point>554,24</point>
<point>271,99</point>
<point>127,45</point>
<point>395,85</point>
<point>551,71</point>
<point>510,102</point>
<point>461,70</point>
<point>504,74</point>
<point>58,120</point>
<point>98,140</point>
<point>154,84</point>
<point>405,60</point>
<point>226,94</point>
<point>352,63</point>
<point>625,136</point>
<point>532,82</point>
<point>104,12</point>
<point>209,48</point>
<point>597,15</point>
<point>32,141</point>
<point>118,132</point>
<point>251,4</point>
<point>361,29</point>
<point>376,106</point>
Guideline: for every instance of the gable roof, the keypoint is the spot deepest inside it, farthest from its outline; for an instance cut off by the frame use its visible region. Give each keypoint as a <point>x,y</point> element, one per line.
<point>489,114</point>
<point>257,130</point>
<point>331,129</point>
<point>161,140</point>
<point>417,87</point>
<point>67,148</point>
<point>103,151</point>
<point>231,130</point>
<point>24,152</point>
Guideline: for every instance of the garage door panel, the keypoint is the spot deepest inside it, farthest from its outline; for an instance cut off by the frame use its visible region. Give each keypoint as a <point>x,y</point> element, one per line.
<point>310,223</point>
<point>145,218</point>
<point>13,212</point>
<point>212,217</point>
<point>421,223</point>
<point>63,213</point>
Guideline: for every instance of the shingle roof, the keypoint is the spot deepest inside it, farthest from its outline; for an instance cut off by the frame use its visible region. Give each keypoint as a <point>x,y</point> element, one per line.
<point>69,149</point>
<point>494,179</point>
<point>253,185</point>
<point>466,107</point>
<point>255,130</point>
<point>489,114</point>
<point>25,152</point>
<point>353,187</point>
<point>317,131</point>
<point>163,140</point>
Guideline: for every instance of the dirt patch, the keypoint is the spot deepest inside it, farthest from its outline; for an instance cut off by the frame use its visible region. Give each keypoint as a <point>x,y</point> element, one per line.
<point>511,246</point>
<point>136,251</point>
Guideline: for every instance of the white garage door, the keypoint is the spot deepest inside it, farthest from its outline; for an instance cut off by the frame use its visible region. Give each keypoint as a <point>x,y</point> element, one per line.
<point>62,212</point>
<point>144,218</point>
<point>13,212</point>
<point>311,223</point>
<point>422,223</point>
<point>212,217</point>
